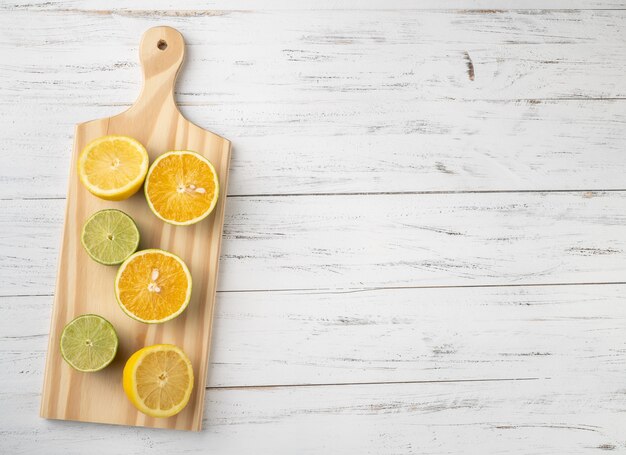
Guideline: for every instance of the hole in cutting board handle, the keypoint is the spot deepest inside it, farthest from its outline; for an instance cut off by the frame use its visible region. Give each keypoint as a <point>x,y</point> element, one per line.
<point>161,53</point>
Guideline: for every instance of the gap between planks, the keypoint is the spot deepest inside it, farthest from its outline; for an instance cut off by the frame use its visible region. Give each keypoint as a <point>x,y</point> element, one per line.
<point>366,383</point>
<point>370,193</point>
<point>381,288</point>
<point>129,12</point>
<point>296,102</point>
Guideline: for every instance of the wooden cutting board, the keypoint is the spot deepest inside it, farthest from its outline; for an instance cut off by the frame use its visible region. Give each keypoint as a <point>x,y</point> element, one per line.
<point>83,286</point>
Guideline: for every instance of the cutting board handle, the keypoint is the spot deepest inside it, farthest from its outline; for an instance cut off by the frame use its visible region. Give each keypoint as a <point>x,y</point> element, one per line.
<point>161,52</point>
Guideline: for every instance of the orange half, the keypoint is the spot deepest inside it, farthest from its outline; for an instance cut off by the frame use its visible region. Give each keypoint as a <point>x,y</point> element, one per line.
<point>182,187</point>
<point>153,286</point>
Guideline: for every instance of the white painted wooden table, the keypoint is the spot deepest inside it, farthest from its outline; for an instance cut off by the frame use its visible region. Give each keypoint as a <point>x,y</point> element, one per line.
<point>425,242</point>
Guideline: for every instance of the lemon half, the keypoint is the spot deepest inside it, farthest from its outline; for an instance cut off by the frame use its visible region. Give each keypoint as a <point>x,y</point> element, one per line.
<point>158,380</point>
<point>113,167</point>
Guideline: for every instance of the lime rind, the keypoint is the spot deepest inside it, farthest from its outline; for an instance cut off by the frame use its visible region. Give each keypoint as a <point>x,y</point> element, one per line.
<point>89,343</point>
<point>110,236</point>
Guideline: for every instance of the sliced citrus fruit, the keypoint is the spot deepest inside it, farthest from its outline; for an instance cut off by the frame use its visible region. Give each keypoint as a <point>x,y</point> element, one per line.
<point>158,380</point>
<point>110,236</point>
<point>89,343</point>
<point>182,187</point>
<point>113,167</point>
<point>153,286</point>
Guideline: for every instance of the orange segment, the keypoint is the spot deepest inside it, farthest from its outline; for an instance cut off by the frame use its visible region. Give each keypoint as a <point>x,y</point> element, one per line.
<point>153,286</point>
<point>182,187</point>
<point>113,167</point>
<point>158,380</point>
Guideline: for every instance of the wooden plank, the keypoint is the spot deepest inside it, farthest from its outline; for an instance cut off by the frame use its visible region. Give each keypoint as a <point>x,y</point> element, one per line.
<point>84,286</point>
<point>388,335</point>
<point>551,411</point>
<point>581,325</point>
<point>387,68</point>
<point>360,148</point>
<point>322,56</point>
<point>560,415</point>
<point>191,8</point>
<point>355,242</point>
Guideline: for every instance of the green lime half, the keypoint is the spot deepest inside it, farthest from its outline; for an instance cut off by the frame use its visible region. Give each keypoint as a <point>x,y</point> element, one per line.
<point>89,343</point>
<point>110,236</point>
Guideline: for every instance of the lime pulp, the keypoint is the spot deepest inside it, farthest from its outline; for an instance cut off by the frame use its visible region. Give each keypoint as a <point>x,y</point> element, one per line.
<point>89,343</point>
<point>110,236</point>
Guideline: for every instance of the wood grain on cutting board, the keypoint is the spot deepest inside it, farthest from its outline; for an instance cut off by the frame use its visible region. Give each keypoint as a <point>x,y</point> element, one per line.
<point>84,286</point>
